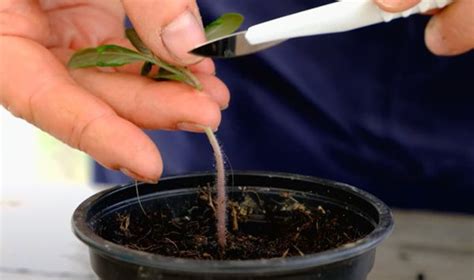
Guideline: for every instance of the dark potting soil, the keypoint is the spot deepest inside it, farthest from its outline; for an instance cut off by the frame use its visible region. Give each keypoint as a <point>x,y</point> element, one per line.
<point>260,226</point>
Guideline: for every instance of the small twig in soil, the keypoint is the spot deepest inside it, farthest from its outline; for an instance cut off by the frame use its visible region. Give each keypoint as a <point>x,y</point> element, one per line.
<point>286,253</point>
<point>207,256</point>
<point>174,223</point>
<point>346,235</point>
<point>211,203</point>
<point>321,209</point>
<point>124,221</point>
<point>235,222</point>
<point>145,236</point>
<point>172,243</point>
<point>295,238</point>
<point>298,250</point>
<point>260,202</point>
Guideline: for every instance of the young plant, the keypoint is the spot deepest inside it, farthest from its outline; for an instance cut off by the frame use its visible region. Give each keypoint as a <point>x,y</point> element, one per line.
<point>115,56</point>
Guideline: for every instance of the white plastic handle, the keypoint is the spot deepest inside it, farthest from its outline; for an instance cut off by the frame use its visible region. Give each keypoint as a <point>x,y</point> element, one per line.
<point>332,18</point>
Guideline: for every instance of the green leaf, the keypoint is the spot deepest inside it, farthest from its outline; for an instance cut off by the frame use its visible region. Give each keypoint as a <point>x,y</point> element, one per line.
<point>105,56</point>
<point>166,75</point>
<point>146,68</point>
<point>133,37</point>
<point>180,75</point>
<point>224,25</point>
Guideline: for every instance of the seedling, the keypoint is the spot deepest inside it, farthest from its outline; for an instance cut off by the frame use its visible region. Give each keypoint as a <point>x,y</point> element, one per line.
<point>115,56</point>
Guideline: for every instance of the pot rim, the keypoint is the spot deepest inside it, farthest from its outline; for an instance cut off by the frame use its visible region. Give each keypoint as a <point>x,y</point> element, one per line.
<point>242,267</point>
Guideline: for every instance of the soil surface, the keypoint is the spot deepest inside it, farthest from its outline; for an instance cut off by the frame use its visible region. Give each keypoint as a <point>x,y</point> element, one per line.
<point>259,227</point>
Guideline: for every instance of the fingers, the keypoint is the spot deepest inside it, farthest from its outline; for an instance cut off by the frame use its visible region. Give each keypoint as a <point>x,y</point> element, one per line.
<point>395,6</point>
<point>80,25</point>
<point>171,28</point>
<point>205,66</point>
<point>36,87</point>
<point>158,105</point>
<point>451,31</point>
<point>23,18</point>
<point>215,88</point>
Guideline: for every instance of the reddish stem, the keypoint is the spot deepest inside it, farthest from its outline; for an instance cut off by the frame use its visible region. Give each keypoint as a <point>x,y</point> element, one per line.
<point>221,202</point>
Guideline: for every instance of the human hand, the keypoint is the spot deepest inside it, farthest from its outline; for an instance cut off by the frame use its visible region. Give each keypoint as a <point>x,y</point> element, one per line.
<point>449,32</point>
<point>100,111</point>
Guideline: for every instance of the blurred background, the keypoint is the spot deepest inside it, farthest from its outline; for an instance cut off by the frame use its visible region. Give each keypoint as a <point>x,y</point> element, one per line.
<point>29,155</point>
<point>42,181</point>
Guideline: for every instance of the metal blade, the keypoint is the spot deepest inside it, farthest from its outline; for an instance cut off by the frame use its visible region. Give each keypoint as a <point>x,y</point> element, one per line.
<point>233,45</point>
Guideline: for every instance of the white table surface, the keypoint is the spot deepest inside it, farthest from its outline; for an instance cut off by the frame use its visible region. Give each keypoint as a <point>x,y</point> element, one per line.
<point>36,237</point>
<point>37,243</point>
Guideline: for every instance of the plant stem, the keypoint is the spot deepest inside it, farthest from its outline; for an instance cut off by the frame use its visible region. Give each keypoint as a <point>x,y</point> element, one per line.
<point>189,77</point>
<point>193,80</point>
<point>221,201</point>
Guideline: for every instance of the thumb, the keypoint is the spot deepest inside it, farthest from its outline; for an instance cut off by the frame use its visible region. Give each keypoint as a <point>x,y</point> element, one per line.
<point>170,28</point>
<point>451,31</point>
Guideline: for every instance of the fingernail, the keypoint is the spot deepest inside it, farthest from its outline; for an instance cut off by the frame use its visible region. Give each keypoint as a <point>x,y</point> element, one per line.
<point>182,35</point>
<point>138,177</point>
<point>192,127</point>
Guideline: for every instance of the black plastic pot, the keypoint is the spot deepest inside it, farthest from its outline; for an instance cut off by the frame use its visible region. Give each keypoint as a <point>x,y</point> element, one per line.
<point>350,262</point>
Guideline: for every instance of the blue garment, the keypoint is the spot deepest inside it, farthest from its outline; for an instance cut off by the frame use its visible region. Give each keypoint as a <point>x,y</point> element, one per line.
<point>372,108</point>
